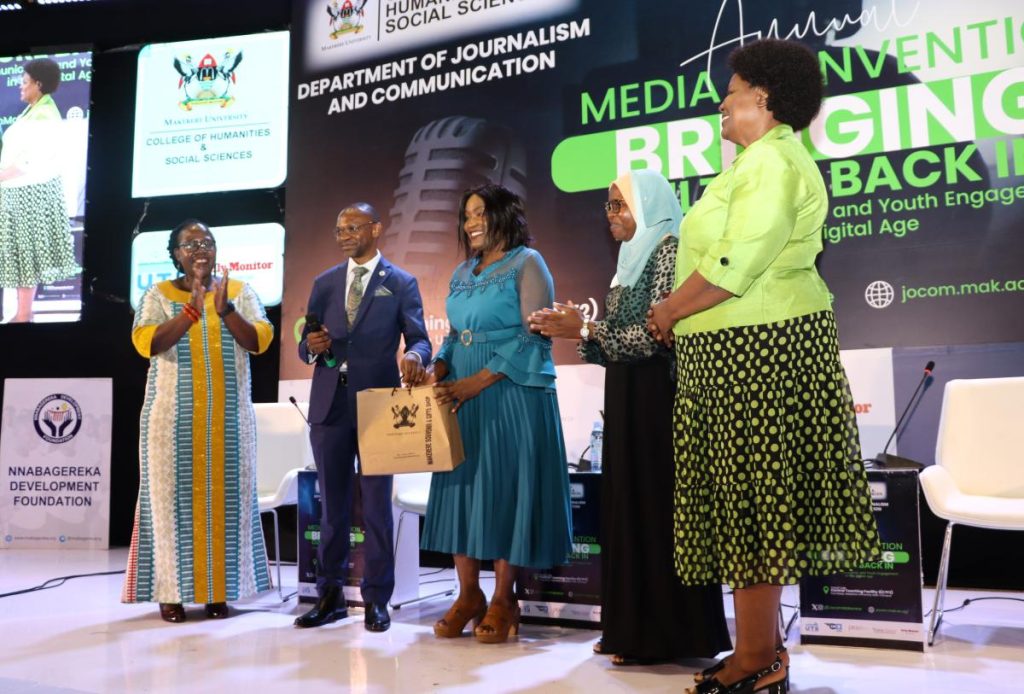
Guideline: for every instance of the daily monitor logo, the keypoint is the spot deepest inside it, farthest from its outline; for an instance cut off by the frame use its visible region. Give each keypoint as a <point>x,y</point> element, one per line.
<point>346,17</point>
<point>208,82</point>
<point>57,418</point>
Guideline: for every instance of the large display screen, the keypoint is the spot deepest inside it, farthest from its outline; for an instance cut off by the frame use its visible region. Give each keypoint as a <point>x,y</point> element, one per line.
<point>252,253</point>
<point>44,121</point>
<point>211,115</point>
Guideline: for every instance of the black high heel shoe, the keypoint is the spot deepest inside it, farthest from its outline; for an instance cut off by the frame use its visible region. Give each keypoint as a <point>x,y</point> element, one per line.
<point>172,612</point>
<point>709,672</point>
<point>747,684</point>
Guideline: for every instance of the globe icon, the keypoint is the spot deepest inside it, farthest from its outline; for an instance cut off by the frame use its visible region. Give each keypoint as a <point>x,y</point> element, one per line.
<point>879,294</point>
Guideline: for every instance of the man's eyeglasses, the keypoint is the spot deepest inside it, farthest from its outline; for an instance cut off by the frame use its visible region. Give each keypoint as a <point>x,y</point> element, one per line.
<point>614,206</point>
<point>351,229</point>
<point>193,246</point>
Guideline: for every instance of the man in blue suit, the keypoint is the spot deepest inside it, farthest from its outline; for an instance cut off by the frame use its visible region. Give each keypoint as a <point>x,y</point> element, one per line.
<point>365,305</point>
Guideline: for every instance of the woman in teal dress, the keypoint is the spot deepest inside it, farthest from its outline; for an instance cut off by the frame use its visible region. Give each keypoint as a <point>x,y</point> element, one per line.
<point>509,501</point>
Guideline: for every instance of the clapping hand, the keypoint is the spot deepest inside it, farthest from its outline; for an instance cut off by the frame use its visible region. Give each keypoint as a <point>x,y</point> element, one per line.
<point>564,320</point>
<point>198,294</point>
<point>220,293</point>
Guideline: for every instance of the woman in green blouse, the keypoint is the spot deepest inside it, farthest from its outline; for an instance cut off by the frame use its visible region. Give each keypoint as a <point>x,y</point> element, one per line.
<point>35,238</point>
<point>769,484</point>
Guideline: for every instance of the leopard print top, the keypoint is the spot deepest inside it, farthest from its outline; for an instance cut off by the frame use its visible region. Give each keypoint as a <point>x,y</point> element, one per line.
<point>622,336</point>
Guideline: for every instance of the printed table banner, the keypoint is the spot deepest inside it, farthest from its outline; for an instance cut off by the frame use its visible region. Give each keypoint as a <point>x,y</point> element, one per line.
<point>55,463</point>
<point>878,604</point>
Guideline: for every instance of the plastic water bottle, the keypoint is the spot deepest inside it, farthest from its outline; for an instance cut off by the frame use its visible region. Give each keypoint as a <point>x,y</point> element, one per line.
<point>596,445</point>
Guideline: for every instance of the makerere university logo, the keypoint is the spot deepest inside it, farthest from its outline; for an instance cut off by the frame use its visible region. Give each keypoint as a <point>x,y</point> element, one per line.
<point>346,17</point>
<point>405,416</point>
<point>57,418</point>
<point>207,83</point>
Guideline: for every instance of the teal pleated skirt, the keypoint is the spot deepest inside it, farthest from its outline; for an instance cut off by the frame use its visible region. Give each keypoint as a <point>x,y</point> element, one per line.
<point>510,498</point>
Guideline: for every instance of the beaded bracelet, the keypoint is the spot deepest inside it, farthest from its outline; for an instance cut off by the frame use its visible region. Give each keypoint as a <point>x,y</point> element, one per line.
<point>191,311</point>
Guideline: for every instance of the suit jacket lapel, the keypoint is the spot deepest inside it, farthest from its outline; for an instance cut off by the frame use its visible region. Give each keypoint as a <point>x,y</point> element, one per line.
<point>379,275</point>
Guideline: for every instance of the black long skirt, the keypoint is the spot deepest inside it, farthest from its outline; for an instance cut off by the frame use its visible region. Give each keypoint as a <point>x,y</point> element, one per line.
<point>646,613</point>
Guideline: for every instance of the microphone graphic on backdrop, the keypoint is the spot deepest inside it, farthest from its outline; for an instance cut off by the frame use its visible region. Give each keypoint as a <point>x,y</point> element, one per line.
<point>894,462</point>
<point>313,323</point>
<point>444,158</point>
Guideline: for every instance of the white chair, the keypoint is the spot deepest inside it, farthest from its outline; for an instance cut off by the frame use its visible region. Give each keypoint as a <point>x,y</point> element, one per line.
<point>282,450</point>
<point>978,476</point>
<point>409,493</point>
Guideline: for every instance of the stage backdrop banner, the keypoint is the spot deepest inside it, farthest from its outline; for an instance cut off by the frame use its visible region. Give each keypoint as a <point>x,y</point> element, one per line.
<point>55,459</point>
<point>407,104</point>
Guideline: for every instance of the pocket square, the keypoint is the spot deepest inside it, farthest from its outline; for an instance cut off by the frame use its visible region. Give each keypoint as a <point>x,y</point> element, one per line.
<point>382,291</point>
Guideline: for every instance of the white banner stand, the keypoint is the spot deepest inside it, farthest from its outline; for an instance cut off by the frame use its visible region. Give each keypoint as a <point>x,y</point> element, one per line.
<point>55,463</point>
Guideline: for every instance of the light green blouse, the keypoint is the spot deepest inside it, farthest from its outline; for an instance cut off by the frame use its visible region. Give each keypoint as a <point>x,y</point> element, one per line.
<point>755,232</point>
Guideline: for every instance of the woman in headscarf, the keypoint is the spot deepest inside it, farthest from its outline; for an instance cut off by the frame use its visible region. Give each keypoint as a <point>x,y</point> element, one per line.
<point>646,614</point>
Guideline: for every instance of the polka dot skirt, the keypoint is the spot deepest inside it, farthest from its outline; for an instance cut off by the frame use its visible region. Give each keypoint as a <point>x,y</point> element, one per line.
<point>769,482</point>
<point>35,238</point>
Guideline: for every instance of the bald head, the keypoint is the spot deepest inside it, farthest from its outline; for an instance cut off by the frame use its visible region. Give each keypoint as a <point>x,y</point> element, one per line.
<point>362,207</point>
<point>357,231</point>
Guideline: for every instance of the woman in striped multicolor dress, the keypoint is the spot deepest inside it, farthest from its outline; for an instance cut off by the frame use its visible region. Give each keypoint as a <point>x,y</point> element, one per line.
<point>197,536</point>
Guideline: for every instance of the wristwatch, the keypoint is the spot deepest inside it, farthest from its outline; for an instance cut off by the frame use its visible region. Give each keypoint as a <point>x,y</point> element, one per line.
<point>585,330</point>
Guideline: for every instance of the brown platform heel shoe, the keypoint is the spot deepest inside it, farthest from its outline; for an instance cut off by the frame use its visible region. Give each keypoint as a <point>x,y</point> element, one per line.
<point>499,623</point>
<point>459,615</point>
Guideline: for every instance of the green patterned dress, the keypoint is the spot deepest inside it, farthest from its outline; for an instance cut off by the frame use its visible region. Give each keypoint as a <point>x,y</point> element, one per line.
<point>769,481</point>
<point>35,238</point>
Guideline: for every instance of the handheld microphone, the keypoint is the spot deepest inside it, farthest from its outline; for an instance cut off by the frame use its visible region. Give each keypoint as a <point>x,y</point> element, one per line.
<point>293,401</point>
<point>895,462</point>
<point>327,356</point>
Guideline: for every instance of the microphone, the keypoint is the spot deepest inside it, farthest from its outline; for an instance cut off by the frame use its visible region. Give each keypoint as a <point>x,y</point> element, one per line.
<point>327,356</point>
<point>894,462</point>
<point>293,401</point>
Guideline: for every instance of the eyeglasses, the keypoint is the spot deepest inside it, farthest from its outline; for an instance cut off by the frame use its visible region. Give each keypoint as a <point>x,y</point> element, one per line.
<point>614,206</point>
<point>351,229</point>
<point>193,246</point>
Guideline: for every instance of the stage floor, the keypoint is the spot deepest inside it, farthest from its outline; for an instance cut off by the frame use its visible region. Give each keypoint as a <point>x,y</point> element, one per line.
<point>79,638</point>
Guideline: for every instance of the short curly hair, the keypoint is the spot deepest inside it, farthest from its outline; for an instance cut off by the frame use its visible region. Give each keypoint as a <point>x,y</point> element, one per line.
<point>172,240</point>
<point>789,72</point>
<point>45,72</point>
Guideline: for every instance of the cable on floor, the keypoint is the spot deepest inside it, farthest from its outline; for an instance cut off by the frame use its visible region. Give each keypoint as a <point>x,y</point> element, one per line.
<point>58,582</point>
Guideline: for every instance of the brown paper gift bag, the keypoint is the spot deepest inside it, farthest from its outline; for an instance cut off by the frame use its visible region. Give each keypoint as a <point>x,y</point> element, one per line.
<point>406,431</point>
